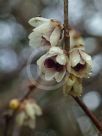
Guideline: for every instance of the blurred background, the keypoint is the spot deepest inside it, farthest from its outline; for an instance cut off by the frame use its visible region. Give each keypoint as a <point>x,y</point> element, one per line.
<point>62,116</point>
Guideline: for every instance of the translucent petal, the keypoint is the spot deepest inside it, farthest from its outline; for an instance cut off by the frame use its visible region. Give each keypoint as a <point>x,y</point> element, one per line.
<point>59,76</point>
<point>41,60</point>
<point>35,40</point>
<point>41,35</point>
<point>38,110</point>
<point>20,118</point>
<point>37,21</point>
<point>61,59</point>
<point>30,110</point>
<point>77,88</point>
<point>74,58</point>
<point>56,50</point>
<point>49,75</point>
<point>55,36</point>
<point>86,57</point>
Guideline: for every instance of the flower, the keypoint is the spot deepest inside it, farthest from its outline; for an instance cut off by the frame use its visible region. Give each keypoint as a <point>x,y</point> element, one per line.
<point>53,64</point>
<point>27,113</point>
<point>46,32</point>
<point>76,40</point>
<point>80,63</point>
<point>73,86</point>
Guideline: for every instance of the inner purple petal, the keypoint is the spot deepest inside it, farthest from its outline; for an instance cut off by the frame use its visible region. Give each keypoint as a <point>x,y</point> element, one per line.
<point>59,67</point>
<point>51,63</point>
<point>79,67</point>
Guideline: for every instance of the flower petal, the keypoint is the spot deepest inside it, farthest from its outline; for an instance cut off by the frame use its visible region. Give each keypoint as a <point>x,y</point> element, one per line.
<point>38,110</point>
<point>60,76</point>
<point>35,40</point>
<point>61,59</point>
<point>56,50</point>
<point>30,110</point>
<point>37,21</point>
<point>55,36</point>
<point>20,118</point>
<point>69,82</point>
<point>77,88</point>
<point>41,34</point>
<point>49,75</point>
<point>86,57</point>
<point>40,62</point>
<point>74,57</point>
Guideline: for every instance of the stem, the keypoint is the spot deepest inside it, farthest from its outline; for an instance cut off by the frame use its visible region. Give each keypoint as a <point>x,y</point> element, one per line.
<point>66,27</point>
<point>96,122</point>
<point>31,87</point>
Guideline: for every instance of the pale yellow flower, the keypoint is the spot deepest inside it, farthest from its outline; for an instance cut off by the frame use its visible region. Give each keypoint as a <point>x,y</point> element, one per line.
<point>27,113</point>
<point>73,86</point>
<point>80,63</point>
<point>46,32</point>
<point>53,64</point>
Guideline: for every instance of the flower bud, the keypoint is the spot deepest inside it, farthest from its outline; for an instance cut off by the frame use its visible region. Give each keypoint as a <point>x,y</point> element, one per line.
<point>14,104</point>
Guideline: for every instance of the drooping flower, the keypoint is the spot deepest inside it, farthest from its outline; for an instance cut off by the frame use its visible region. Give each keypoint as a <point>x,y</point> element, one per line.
<point>53,64</point>
<point>46,32</point>
<point>27,113</point>
<point>80,63</point>
<point>73,86</point>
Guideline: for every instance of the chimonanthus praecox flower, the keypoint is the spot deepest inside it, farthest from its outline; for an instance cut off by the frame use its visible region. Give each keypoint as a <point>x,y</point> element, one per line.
<point>27,113</point>
<point>53,64</point>
<point>45,32</point>
<point>73,86</point>
<point>80,63</point>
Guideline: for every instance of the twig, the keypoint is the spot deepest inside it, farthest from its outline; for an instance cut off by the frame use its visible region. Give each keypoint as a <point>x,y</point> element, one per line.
<point>67,47</point>
<point>31,87</point>
<point>66,26</point>
<point>89,113</point>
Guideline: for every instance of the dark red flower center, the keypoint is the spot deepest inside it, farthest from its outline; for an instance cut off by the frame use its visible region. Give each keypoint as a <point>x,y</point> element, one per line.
<point>51,63</point>
<point>79,67</point>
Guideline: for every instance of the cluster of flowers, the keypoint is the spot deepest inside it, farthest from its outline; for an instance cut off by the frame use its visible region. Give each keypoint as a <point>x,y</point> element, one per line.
<point>26,112</point>
<point>57,63</point>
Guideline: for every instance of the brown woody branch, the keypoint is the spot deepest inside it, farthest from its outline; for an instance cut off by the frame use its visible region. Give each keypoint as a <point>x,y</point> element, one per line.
<point>66,26</point>
<point>96,122</point>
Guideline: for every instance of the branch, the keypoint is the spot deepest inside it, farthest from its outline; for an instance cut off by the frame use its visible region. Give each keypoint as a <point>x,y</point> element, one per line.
<point>96,122</point>
<point>31,87</point>
<point>66,26</point>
